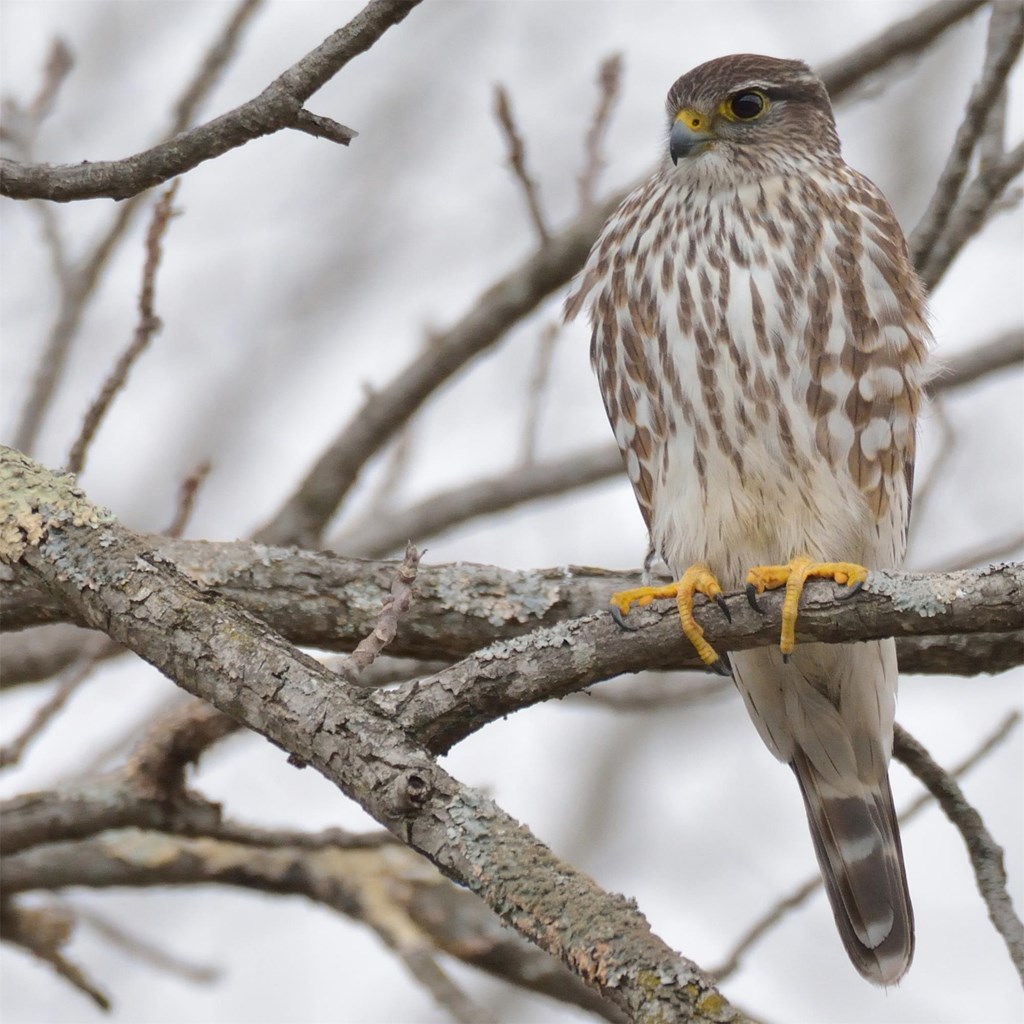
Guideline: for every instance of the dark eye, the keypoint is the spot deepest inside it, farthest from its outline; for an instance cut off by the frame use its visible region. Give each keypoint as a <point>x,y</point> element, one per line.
<point>747,105</point>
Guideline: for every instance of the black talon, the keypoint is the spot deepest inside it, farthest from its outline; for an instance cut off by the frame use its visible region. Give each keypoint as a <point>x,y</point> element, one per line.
<point>785,659</point>
<point>620,621</point>
<point>720,601</point>
<point>851,591</point>
<point>752,599</point>
<point>721,667</point>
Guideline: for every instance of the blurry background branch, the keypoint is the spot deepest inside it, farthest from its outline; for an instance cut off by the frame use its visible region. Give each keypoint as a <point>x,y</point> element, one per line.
<point>77,281</point>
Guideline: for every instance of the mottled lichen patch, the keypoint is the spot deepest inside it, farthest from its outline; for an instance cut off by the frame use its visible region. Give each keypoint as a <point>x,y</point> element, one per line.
<point>33,500</point>
<point>528,597</point>
<point>926,596</point>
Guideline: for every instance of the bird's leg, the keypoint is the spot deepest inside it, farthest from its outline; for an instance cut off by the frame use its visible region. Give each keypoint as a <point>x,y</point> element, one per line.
<point>794,576</point>
<point>698,579</point>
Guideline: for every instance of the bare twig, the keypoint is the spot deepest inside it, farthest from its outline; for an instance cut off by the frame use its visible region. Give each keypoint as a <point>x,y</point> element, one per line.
<point>95,649</point>
<point>986,855</point>
<point>146,327</point>
<point>423,966</point>
<point>976,205</point>
<point>1005,37</point>
<point>393,891</point>
<point>429,518</point>
<point>1002,352</point>
<point>44,932</point>
<point>813,883</point>
<point>608,80</point>
<point>305,514</point>
<point>78,284</point>
<point>517,161</point>
<point>216,58</point>
<point>140,948</point>
<point>278,106</point>
<point>539,379</point>
<point>187,498</point>
<point>898,41</point>
<point>392,610</point>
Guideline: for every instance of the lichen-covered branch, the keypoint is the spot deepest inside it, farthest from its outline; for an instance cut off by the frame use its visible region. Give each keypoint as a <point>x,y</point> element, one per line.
<point>323,600</point>
<point>117,583</point>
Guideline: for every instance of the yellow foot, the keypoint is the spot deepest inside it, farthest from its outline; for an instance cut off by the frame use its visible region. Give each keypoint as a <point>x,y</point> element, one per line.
<point>794,576</point>
<point>698,579</point>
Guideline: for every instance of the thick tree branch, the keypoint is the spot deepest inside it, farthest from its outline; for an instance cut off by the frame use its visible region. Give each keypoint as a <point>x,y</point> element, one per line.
<point>325,601</point>
<point>117,583</point>
<point>279,106</point>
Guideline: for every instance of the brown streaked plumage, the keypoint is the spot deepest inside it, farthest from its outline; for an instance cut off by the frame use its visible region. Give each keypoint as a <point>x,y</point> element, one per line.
<point>759,337</point>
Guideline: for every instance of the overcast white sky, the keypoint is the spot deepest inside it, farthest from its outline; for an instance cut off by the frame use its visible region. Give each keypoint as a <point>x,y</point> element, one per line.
<point>300,273</point>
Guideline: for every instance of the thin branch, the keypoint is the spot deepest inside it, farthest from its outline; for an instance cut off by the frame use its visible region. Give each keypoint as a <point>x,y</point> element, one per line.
<point>394,606</point>
<point>609,77</point>
<point>148,324</point>
<point>970,214</point>
<point>1005,38</point>
<point>278,106</point>
<point>381,535</point>
<point>78,284</point>
<point>95,649</point>
<point>44,932</point>
<point>140,948</point>
<point>540,378</point>
<point>395,892</point>
<point>187,498</point>
<point>1004,351</point>
<point>423,966</point>
<point>303,517</point>
<point>811,885</point>
<point>986,855</point>
<point>517,162</point>
<point>216,58</point>
<point>899,41</point>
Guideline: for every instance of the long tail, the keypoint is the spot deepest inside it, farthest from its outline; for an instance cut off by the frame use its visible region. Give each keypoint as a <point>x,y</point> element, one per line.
<point>857,840</point>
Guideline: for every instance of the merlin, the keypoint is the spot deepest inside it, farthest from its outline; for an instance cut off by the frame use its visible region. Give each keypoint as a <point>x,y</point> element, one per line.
<point>759,335</point>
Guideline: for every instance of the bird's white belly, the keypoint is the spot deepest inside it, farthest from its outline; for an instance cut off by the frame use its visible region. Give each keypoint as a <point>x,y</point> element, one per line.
<point>759,509</point>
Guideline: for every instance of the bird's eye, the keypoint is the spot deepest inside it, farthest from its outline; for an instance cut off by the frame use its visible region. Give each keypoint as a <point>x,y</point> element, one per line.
<point>745,106</point>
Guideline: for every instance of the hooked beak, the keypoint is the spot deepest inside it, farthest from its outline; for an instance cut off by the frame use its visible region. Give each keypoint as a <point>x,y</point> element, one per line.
<point>690,135</point>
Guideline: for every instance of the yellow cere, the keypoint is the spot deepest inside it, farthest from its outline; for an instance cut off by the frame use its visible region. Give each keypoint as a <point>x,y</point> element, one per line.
<point>693,119</point>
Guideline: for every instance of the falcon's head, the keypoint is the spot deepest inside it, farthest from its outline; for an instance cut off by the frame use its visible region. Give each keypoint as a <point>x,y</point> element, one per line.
<point>753,111</point>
